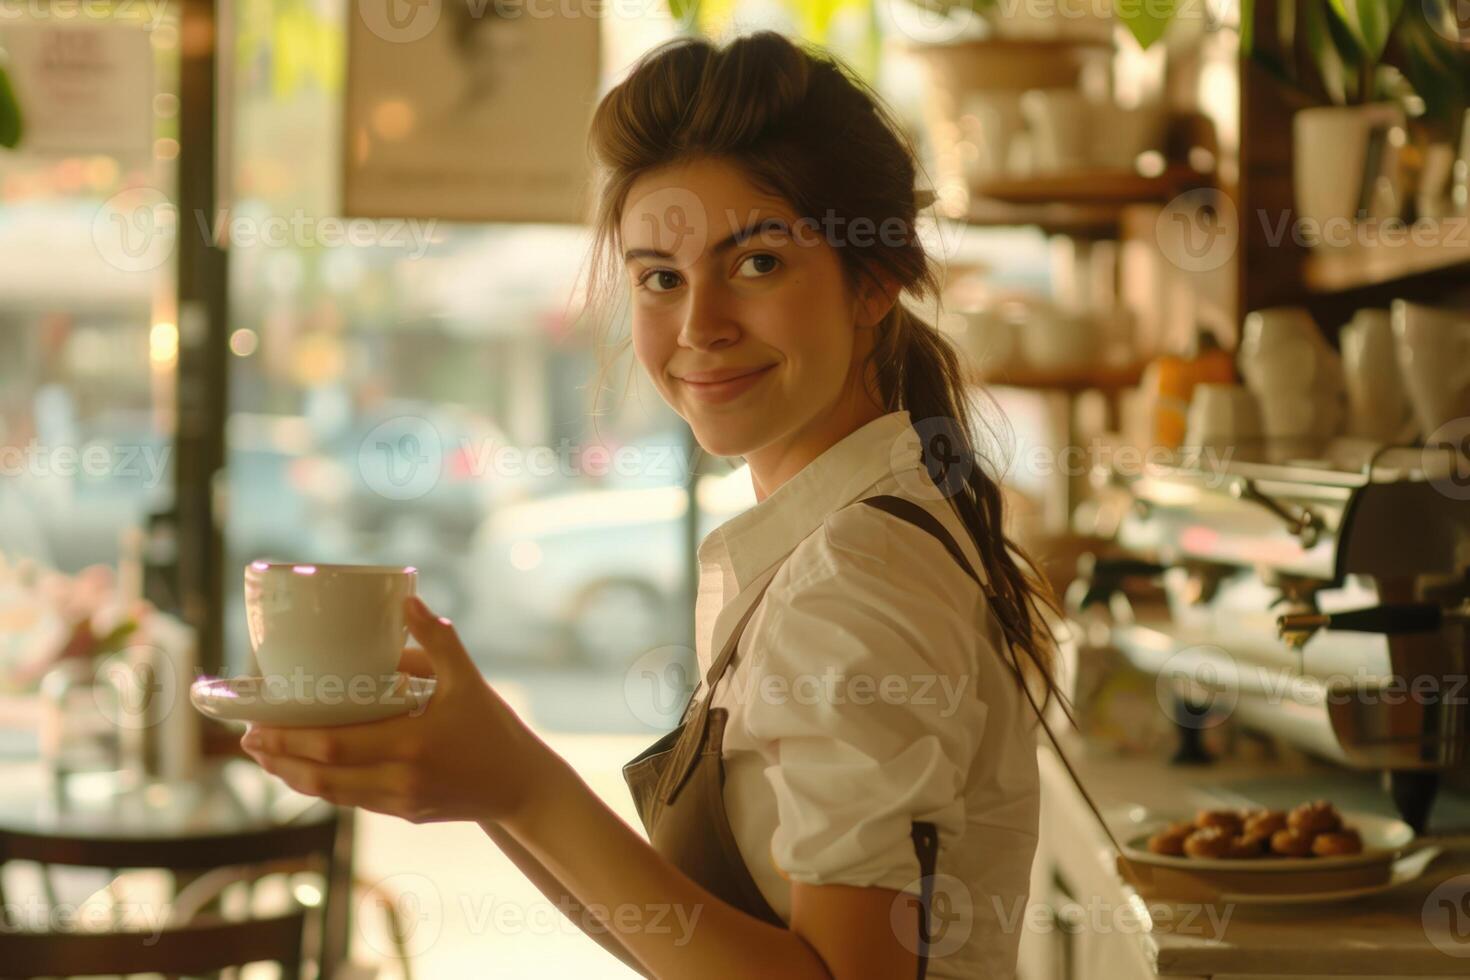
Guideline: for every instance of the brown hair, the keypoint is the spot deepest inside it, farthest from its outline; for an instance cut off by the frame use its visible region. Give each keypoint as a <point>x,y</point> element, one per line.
<point>802,126</point>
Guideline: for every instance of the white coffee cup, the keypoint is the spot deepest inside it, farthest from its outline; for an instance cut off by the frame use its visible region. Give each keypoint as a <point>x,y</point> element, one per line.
<point>1053,339</point>
<point>991,121</point>
<point>1057,121</point>
<point>1378,407</point>
<point>1434,360</point>
<point>1118,134</point>
<point>1329,153</point>
<point>1221,414</point>
<point>336,621</point>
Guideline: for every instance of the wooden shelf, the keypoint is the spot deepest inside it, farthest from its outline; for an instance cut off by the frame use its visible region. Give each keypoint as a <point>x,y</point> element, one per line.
<point>1023,44</point>
<point>1425,247</point>
<point>1093,187</point>
<point>1095,221</point>
<point>1102,377</point>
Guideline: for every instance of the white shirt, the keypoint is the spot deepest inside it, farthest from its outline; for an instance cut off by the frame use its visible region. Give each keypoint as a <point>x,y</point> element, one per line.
<point>869,691</point>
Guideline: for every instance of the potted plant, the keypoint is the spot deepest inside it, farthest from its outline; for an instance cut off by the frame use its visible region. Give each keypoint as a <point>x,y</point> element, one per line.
<point>1353,67</point>
<point>10,124</point>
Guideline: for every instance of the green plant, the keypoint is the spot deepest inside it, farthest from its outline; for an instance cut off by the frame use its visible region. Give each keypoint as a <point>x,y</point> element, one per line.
<point>1347,52</point>
<point>813,20</point>
<point>10,124</point>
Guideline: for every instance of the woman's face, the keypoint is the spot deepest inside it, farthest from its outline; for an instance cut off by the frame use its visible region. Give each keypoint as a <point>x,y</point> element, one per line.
<point>724,281</point>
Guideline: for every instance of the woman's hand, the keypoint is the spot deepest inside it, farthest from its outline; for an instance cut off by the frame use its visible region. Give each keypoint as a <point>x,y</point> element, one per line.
<point>466,756</point>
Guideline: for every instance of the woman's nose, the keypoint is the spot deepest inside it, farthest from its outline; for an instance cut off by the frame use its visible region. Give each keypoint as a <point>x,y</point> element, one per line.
<point>709,321</point>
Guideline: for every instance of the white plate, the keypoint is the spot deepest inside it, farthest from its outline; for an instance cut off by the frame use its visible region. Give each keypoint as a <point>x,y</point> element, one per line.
<point>1384,839</point>
<point>1405,869</point>
<point>261,701</point>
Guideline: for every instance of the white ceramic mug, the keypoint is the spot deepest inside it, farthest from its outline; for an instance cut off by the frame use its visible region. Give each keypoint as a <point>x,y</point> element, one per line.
<point>991,121</point>
<point>1329,154</point>
<point>337,621</point>
<point>990,339</point>
<point>1378,407</point>
<point>1057,121</point>
<point>1434,361</point>
<point>1221,414</point>
<point>1118,135</point>
<point>1057,340</point>
<point>1283,352</point>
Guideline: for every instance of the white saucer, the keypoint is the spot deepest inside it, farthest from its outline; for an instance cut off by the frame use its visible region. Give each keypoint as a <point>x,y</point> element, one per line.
<point>281,701</point>
<point>1405,869</point>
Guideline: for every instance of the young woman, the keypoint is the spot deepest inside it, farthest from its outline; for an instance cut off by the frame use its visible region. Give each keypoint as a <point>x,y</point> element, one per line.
<point>853,792</point>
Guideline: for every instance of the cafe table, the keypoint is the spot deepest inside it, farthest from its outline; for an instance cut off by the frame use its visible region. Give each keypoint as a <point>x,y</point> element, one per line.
<point>227,797</point>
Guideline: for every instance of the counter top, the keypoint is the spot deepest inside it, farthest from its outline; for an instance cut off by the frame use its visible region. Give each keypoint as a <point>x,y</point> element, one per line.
<point>1420,928</point>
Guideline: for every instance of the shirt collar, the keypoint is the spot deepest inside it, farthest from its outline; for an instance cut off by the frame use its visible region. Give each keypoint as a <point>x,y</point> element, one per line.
<point>751,542</point>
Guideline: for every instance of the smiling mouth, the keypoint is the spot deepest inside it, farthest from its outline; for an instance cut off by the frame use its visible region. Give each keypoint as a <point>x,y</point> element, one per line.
<point>728,379</point>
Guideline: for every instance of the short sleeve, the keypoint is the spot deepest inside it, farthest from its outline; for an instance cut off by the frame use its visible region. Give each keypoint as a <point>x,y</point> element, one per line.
<point>864,708</point>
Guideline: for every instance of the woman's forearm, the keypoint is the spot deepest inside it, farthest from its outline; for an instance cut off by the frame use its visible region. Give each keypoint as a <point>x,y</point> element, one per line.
<point>558,894</point>
<point>673,926</point>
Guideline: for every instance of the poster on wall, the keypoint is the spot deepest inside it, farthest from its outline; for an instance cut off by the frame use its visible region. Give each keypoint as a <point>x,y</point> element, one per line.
<point>469,110</point>
<point>83,87</point>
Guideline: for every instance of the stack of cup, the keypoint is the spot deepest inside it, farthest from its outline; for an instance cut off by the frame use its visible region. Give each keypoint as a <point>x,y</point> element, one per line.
<point>1434,362</point>
<point>1294,373</point>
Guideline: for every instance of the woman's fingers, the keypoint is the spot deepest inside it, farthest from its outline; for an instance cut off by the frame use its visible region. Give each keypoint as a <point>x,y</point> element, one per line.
<point>445,654</point>
<point>363,744</point>
<point>415,661</point>
<point>368,787</point>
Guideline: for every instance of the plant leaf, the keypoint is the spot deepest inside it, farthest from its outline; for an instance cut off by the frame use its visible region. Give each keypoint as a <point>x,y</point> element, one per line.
<point>1247,27</point>
<point>685,13</point>
<point>1437,69</point>
<point>1331,65</point>
<point>10,121</point>
<point>1145,19</point>
<point>1371,22</point>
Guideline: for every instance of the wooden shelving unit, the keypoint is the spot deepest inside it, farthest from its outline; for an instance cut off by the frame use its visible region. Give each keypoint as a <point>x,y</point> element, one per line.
<point>1092,377</point>
<point>1426,247</point>
<point>1085,221</point>
<point>1093,188</point>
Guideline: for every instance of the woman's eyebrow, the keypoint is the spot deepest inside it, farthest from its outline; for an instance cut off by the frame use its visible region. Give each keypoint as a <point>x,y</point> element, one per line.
<point>769,223</point>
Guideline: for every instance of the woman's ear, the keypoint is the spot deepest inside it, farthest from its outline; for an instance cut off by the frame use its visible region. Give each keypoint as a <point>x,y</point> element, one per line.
<point>877,292</point>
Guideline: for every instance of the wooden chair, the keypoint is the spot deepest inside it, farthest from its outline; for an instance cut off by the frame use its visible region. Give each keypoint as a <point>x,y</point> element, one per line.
<point>203,942</point>
<point>193,949</point>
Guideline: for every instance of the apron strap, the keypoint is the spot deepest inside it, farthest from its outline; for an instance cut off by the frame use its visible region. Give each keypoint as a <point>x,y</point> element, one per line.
<point>926,846</point>
<point>686,752</point>
<point>907,510</point>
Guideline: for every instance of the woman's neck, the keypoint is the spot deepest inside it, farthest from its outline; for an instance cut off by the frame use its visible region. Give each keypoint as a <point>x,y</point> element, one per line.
<point>773,465</point>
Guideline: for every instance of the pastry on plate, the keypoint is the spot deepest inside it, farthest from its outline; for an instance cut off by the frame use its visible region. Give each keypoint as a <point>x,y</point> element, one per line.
<point>1292,843</point>
<point>1336,842</point>
<point>1317,817</point>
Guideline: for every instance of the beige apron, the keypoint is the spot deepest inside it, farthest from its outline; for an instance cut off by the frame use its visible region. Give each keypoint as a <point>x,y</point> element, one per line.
<point>678,782</point>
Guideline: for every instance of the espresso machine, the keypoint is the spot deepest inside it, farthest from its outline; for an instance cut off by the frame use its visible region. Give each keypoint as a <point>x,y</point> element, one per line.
<point>1319,588</point>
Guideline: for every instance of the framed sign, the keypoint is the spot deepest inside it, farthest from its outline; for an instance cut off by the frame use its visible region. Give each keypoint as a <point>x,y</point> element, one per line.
<point>469,110</point>
<point>83,87</point>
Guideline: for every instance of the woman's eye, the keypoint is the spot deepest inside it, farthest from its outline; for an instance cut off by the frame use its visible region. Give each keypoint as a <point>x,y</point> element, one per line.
<point>771,259</point>
<point>658,274</point>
